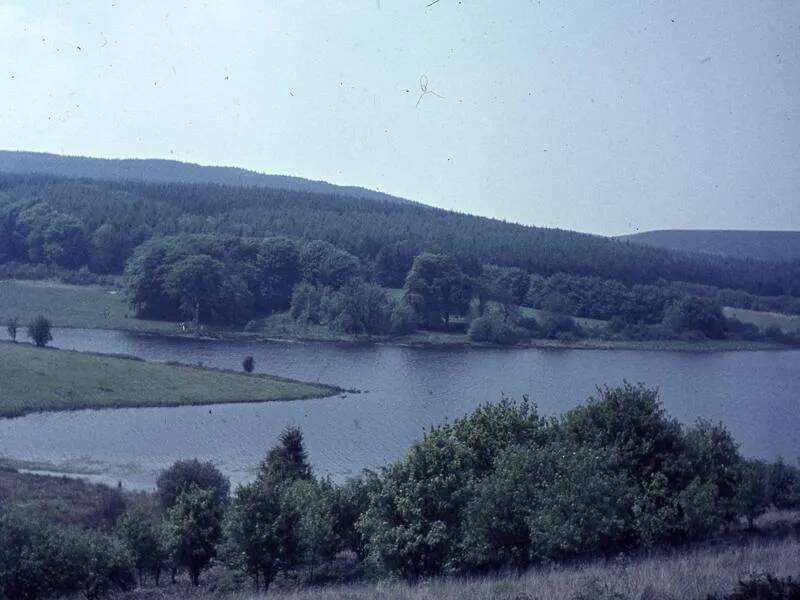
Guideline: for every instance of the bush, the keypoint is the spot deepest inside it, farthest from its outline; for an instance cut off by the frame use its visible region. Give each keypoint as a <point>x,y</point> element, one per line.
<point>764,587</point>
<point>493,330</point>
<point>142,532</point>
<point>531,325</point>
<point>193,529</point>
<point>695,314</point>
<point>39,561</point>
<point>248,364</point>
<point>743,331</point>
<point>561,325</point>
<point>39,330</point>
<point>184,474</point>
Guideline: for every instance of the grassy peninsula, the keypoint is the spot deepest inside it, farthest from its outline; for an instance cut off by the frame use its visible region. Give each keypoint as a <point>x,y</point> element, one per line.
<point>44,379</point>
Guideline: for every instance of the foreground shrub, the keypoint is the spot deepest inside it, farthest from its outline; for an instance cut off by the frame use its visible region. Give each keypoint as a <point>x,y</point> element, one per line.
<point>39,561</point>
<point>184,474</point>
<point>502,488</point>
<point>192,530</point>
<point>764,587</point>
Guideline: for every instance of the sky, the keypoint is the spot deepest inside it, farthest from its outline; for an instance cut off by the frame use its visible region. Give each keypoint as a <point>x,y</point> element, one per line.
<point>608,117</point>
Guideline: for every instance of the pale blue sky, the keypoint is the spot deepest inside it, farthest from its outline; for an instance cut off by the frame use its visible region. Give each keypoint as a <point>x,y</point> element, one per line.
<point>607,117</point>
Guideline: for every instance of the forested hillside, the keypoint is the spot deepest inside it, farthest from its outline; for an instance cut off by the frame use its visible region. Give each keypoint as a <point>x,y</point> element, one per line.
<point>760,245</point>
<point>164,171</point>
<point>70,223</point>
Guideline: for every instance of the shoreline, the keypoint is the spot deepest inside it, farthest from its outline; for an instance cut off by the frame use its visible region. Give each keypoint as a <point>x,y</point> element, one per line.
<point>405,342</point>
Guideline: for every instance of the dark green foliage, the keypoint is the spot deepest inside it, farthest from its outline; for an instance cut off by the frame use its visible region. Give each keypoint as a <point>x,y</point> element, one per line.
<point>305,305</point>
<point>743,331</point>
<point>437,288</point>
<point>764,587</point>
<point>104,563</point>
<point>356,308</point>
<point>414,522</point>
<point>261,532</point>
<point>403,319</point>
<point>211,278</point>
<point>503,488</point>
<point>40,561</point>
<point>560,327</point>
<point>184,474</point>
<point>752,495</point>
<point>352,500</point>
<point>277,270</point>
<point>287,461</point>
<point>39,330</point>
<point>273,520</point>
<point>315,503</point>
<point>494,330</point>
<point>37,233</point>
<point>597,298</point>
<point>109,249</point>
<point>323,264</point>
<point>784,485</point>
<point>248,364</point>
<point>194,281</point>
<point>386,234</point>
<point>392,263</point>
<point>715,459</point>
<point>507,286</point>
<point>142,531</point>
<point>193,528</point>
<point>695,314</point>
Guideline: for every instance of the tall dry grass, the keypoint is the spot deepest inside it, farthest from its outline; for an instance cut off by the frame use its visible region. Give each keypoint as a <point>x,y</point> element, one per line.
<point>687,575</point>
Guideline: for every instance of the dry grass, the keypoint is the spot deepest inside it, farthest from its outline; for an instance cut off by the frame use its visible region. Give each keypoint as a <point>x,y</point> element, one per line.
<point>686,575</point>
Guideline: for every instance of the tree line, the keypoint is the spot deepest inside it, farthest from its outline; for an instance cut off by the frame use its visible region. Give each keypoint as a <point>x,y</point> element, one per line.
<point>503,487</point>
<point>73,223</point>
<point>230,280</point>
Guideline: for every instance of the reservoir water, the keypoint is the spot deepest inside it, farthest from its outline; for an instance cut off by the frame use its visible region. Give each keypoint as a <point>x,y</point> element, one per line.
<point>404,391</point>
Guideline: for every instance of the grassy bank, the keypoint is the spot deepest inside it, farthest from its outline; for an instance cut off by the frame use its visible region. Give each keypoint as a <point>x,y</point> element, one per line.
<point>36,379</point>
<point>65,305</point>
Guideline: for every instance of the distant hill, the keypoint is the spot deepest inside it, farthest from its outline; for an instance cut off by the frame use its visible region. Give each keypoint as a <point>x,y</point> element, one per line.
<point>171,171</point>
<point>759,245</point>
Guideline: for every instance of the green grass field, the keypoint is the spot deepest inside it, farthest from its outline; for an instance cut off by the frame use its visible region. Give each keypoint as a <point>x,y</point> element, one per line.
<point>45,379</point>
<point>764,319</point>
<point>71,306</point>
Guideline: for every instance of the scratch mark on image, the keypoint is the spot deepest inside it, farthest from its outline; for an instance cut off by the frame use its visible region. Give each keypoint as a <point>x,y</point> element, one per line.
<point>423,86</point>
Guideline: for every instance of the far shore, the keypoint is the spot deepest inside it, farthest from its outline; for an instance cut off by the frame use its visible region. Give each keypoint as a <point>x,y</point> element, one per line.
<point>96,307</point>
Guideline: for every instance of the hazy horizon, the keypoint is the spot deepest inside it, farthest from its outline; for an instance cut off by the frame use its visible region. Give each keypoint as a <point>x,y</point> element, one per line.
<point>610,119</point>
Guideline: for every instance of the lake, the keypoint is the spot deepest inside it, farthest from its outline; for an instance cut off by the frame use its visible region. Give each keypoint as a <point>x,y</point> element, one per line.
<point>404,391</point>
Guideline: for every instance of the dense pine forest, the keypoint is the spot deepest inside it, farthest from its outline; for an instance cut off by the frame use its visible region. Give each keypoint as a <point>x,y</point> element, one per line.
<point>100,223</point>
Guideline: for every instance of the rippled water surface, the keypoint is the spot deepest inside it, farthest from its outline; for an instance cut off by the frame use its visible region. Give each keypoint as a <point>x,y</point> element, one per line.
<point>406,390</point>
